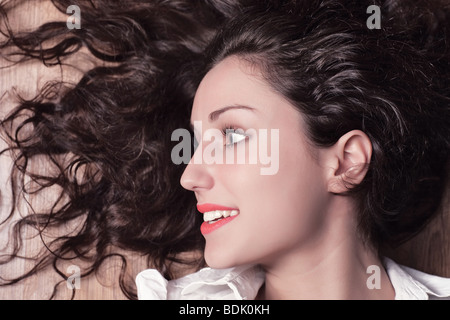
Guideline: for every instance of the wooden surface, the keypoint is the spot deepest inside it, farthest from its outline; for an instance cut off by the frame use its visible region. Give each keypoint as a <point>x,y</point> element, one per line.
<point>26,79</point>
<point>430,251</point>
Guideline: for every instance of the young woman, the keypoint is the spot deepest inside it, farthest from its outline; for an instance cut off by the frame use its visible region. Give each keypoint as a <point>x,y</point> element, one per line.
<point>335,93</point>
<point>362,120</point>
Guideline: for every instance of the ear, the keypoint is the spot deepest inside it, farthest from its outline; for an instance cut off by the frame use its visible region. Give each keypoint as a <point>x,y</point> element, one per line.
<point>347,161</point>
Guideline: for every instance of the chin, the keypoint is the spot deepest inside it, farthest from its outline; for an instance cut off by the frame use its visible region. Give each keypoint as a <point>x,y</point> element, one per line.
<point>218,262</point>
<point>218,259</point>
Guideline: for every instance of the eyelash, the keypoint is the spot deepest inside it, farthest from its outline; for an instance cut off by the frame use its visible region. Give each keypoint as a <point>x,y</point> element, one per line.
<point>231,130</point>
<point>227,127</point>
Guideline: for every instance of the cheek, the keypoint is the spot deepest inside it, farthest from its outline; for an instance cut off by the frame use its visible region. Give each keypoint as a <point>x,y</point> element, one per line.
<point>287,208</point>
<point>277,212</point>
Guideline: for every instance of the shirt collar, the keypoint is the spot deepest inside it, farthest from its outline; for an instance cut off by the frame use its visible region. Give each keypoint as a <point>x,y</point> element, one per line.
<point>411,284</point>
<point>239,283</point>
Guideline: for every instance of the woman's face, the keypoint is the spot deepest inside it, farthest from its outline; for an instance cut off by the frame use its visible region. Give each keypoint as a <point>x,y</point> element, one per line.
<point>272,214</point>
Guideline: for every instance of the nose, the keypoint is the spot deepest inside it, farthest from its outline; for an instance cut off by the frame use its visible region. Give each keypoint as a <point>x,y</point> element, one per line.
<point>196,177</point>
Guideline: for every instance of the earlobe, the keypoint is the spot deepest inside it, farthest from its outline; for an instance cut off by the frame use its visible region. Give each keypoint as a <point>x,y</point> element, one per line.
<point>348,161</point>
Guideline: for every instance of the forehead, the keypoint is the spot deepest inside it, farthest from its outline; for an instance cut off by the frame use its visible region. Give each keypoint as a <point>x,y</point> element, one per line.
<point>236,82</point>
<point>231,82</point>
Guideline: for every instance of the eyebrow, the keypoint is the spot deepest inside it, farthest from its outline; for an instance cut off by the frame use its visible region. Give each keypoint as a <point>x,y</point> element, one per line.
<point>215,114</point>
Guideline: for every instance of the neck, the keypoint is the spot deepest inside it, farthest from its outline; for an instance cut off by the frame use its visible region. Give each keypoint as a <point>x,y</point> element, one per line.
<point>333,265</point>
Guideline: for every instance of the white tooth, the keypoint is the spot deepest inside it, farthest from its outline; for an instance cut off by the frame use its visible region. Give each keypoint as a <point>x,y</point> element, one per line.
<point>207,216</point>
<point>210,215</point>
<point>213,215</point>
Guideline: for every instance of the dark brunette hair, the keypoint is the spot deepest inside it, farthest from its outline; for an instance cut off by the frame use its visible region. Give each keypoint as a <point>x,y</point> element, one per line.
<point>391,83</point>
<point>107,137</point>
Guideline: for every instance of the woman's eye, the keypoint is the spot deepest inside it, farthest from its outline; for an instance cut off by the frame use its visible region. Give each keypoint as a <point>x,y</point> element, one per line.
<point>232,137</point>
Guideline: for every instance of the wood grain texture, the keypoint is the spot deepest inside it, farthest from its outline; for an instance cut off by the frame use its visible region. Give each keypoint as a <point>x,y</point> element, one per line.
<point>429,251</point>
<point>26,79</point>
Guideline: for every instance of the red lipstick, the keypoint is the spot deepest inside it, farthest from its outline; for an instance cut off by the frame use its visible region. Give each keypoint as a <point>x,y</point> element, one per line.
<point>208,227</point>
<point>212,207</point>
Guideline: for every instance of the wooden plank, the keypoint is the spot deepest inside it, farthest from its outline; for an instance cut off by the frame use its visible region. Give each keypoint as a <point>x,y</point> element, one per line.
<point>27,78</point>
<point>429,251</point>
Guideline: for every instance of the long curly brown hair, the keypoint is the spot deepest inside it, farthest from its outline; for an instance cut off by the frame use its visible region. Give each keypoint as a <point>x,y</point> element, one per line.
<point>107,137</point>
<point>108,141</point>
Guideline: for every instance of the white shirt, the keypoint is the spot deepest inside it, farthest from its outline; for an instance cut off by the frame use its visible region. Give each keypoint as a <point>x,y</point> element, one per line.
<point>244,282</point>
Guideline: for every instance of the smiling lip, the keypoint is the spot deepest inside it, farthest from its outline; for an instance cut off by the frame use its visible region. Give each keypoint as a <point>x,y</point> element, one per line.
<point>207,227</point>
<point>211,207</point>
